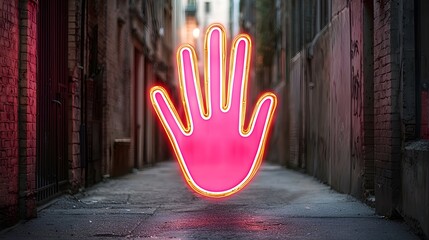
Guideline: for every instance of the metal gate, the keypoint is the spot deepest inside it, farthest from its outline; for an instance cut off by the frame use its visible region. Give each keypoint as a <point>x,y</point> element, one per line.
<point>52,80</point>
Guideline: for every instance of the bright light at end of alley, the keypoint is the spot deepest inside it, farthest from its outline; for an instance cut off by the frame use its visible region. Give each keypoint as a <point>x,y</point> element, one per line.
<point>196,32</point>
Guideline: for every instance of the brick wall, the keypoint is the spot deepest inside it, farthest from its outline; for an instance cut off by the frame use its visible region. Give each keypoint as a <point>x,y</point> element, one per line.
<point>368,97</point>
<point>74,67</point>
<point>9,35</point>
<point>387,137</point>
<point>117,72</point>
<point>27,107</point>
<point>18,51</point>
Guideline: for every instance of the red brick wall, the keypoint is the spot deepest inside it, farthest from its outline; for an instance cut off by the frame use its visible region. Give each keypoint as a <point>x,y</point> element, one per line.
<point>27,107</point>
<point>387,137</point>
<point>9,34</point>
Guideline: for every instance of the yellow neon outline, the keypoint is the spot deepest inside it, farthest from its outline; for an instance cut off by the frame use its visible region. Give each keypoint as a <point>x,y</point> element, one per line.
<point>206,108</point>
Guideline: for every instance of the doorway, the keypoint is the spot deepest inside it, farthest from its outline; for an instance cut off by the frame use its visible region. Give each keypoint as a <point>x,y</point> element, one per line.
<point>52,82</point>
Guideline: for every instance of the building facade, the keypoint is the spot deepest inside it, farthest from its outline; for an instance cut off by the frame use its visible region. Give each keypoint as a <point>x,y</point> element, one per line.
<point>356,102</point>
<point>74,107</point>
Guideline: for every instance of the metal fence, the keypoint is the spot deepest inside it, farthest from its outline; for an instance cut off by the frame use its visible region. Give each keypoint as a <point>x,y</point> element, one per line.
<point>52,81</point>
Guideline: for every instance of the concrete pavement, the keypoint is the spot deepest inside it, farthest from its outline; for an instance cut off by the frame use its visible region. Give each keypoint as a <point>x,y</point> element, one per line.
<point>156,204</point>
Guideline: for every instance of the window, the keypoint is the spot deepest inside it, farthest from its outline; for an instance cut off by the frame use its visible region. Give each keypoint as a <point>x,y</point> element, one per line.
<point>207,7</point>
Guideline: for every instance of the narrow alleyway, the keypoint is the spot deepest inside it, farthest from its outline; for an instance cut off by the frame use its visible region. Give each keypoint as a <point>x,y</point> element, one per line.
<point>156,204</point>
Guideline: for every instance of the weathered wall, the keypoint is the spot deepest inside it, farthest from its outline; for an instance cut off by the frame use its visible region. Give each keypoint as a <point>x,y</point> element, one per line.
<point>75,79</point>
<point>387,141</point>
<point>328,88</point>
<point>337,101</point>
<point>18,48</point>
<point>278,142</point>
<point>362,92</point>
<point>415,184</point>
<point>367,56</point>
<point>340,102</point>
<point>357,95</point>
<point>338,6</point>
<point>361,114</point>
<point>414,173</point>
<point>27,107</point>
<point>116,112</point>
<point>295,111</point>
<point>9,47</point>
<point>424,68</point>
<point>318,146</point>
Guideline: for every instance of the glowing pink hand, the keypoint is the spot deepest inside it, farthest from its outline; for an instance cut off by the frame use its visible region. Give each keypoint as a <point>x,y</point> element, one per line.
<point>217,154</point>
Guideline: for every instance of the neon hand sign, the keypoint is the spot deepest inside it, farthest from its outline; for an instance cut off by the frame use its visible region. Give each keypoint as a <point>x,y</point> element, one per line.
<point>217,153</point>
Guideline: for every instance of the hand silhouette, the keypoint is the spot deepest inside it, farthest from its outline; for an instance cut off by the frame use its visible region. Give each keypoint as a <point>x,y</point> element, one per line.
<point>217,154</point>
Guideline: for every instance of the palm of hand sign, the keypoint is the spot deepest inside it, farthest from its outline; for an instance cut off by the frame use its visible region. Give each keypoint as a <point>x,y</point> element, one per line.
<point>217,153</point>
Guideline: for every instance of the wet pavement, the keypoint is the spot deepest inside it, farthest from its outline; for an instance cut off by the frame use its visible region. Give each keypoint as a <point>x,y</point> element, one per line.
<point>156,204</point>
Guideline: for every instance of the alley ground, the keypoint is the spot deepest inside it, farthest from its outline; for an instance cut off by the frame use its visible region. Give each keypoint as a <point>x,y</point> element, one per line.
<point>156,204</point>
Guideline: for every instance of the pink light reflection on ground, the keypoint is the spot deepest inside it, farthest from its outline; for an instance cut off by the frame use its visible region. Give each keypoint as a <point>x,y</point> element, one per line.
<point>222,221</point>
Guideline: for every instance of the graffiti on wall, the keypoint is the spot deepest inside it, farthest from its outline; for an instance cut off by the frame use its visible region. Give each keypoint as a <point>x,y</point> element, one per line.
<point>356,81</point>
<point>357,103</point>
